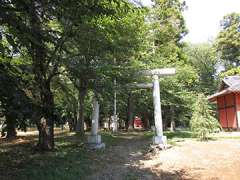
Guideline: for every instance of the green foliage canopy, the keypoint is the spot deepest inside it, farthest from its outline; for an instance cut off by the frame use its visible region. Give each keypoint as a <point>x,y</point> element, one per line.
<point>228,40</point>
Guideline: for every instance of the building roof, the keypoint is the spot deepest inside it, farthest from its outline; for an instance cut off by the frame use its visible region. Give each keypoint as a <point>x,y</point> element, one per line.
<point>229,85</point>
<point>231,80</point>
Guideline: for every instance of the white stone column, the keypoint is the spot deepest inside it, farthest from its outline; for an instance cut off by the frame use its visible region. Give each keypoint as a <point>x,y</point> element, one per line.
<point>159,138</point>
<point>95,117</point>
<point>114,119</point>
<point>94,139</point>
<point>157,106</point>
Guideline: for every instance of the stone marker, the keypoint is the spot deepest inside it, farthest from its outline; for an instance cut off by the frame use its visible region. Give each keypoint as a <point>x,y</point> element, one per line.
<point>114,117</point>
<point>94,139</point>
<point>114,123</point>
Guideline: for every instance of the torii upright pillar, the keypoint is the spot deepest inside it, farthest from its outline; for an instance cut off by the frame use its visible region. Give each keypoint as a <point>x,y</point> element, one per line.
<point>158,138</point>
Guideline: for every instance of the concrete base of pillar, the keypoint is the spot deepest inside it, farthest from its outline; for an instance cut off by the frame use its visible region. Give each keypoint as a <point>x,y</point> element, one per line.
<point>160,140</point>
<point>94,139</point>
<point>97,146</point>
<point>94,142</point>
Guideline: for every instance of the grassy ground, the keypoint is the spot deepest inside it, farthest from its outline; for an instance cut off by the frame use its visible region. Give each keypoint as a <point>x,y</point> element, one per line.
<point>71,159</point>
<point>173,137</point>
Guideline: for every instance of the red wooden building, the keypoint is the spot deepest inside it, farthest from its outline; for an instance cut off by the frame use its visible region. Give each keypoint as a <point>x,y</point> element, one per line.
<point>228,102</point>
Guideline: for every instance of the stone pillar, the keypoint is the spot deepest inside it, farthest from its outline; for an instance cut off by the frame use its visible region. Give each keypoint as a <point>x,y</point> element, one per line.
<point>114,119</point>
<point>158,138</point>
<point>94,139</point>
<point>95,117</point>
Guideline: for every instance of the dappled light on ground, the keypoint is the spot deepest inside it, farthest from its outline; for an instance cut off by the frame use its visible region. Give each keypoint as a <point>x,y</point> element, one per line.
<point>126,157</point>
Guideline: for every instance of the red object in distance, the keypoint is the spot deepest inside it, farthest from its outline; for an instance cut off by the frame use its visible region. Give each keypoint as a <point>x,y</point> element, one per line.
<point>138,122</point>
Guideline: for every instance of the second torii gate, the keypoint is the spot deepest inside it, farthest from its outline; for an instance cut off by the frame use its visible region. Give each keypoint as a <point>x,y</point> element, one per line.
<point>156,73</point>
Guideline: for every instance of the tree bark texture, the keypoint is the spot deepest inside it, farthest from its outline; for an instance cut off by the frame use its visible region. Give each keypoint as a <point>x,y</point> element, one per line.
<point>146,121</point>
<point>130,112</point>
<point>11,127</point>
<point>42,76</point>
<point>46,123</point>
<point>80,114</point>
<point>172,121</point>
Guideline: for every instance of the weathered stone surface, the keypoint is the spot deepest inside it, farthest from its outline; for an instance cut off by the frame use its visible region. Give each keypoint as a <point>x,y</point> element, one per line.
<point>97,146</point>
<point>160,140</point>
<point>157,106</point>
<point>114,124</point>
<point>94,139</point>
<point>159,72</point>
<point>95,117</point>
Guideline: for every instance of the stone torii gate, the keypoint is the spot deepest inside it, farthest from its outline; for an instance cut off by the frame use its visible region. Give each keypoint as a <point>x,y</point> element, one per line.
<point>94,139</point>
<point>155,74</point>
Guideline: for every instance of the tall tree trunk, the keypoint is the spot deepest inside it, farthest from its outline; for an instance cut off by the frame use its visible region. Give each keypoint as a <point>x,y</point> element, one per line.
<point>130,112</point>
<point>73,119</point>
<point>46,123</point>
<point>11,127</point>
<point>80,114</point>
<point>146,121</point>
<point>43,72</point>
<point>173,126</point>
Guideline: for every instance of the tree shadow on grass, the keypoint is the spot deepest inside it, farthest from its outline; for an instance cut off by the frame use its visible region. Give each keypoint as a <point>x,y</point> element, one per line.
<point>144,174</point>
<point>147,174</point>
<point>70,160</point>
<point>73,160</point>
<point>178,134</point>
<point>171,135</point>
<point>133,173</point>
<point>123,162</point>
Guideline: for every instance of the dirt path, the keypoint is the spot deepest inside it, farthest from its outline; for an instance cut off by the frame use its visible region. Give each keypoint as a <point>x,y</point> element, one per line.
<point>121,161</point>
<point>200,160</point>
<point>187,160</point>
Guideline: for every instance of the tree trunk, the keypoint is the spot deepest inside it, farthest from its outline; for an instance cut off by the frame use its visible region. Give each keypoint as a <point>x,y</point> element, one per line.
<point>11,127</point>
<point>130,112</point>
<point>146,121</point>
<point>43,73</point>
<point>73,119</point>
<point>80,114</point>
<point>71,124</point>
<point>46,123</point>
<point>46,137</point>
<point>173,126</point>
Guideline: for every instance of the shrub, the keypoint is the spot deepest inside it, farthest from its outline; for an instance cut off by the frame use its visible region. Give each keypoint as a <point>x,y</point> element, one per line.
<point>203,122</point>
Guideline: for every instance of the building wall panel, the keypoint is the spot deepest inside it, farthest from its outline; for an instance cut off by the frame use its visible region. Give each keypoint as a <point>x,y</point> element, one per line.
<point>237,95</point>
<point>231,118</point>
<point>238,101</point>
<point>230,100</point>
<point>221,102</point>
<point>222,118</point>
